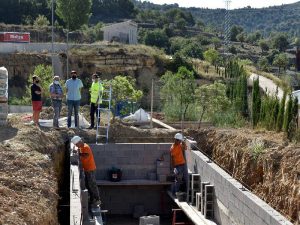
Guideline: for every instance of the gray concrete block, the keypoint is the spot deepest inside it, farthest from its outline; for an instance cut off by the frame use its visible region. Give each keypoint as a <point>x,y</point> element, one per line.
<point>147,220</point>
<point>163,171</point>
<point>162,178</point>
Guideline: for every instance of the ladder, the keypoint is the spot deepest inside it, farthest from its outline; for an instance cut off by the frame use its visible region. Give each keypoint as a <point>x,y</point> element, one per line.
<point>102,130</point>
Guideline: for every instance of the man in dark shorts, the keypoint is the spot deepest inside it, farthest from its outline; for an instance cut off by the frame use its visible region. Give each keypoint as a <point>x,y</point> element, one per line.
<point>36,97</point>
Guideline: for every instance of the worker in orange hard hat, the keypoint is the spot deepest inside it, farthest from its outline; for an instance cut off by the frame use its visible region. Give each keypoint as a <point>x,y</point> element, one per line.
<point>89,167</point>
<point>179,163</point>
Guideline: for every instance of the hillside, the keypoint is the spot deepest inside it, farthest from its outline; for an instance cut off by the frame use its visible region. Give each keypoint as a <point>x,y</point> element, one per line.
<point>285,18</point>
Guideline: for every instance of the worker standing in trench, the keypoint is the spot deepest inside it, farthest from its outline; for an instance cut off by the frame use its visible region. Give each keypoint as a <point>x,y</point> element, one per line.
<point>89,167</point>
<point>179,163</point>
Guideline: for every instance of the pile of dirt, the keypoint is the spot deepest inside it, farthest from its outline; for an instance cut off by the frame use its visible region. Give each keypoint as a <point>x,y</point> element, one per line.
<point>263,160</point>
<point>30,166</point>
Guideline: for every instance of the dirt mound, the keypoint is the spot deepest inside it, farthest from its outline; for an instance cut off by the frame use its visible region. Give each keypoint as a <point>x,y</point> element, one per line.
<point>263,160</point>
<point>30,165</point>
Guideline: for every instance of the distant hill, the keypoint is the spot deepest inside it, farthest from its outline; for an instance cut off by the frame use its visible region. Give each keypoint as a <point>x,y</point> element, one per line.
<point>284,18</point>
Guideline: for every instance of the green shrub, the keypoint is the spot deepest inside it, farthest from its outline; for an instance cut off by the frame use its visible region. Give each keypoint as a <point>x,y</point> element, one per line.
<point>256,147</point>
<point>228,118</point>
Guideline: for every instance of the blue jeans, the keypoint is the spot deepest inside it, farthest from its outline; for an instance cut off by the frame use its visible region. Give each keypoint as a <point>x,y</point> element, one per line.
<point>57,108</point>
<point>181,178</point>
<point>73,104</point>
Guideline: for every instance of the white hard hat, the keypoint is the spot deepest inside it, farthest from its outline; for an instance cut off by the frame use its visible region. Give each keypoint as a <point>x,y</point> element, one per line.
<point>179,136</point>
<point>75,139</point>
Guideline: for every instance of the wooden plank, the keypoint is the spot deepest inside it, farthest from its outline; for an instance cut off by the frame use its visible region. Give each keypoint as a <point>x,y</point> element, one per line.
<point>163,124</point>
<point>132,183</point>
<point>192,212</point>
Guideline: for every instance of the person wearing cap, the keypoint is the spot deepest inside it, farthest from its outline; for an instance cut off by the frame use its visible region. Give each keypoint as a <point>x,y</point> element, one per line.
<point>89,168</point>
<point>36,97</point>
<point>179,163</point>
<point>56,93</point>
<point>73,86</point>
<point>96,91</point>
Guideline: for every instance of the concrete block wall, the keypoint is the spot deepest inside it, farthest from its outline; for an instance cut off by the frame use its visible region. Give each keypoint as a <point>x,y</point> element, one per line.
<point>135,160</point>
<point>232,204</point>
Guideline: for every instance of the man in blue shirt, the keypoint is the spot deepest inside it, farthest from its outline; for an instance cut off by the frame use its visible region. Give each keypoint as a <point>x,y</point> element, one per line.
<point>73,86</point>
<point>56,93</point>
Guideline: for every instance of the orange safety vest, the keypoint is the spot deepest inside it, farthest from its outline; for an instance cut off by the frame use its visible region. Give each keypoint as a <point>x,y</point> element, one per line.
<point>88,162</point>
<point>177,155</point>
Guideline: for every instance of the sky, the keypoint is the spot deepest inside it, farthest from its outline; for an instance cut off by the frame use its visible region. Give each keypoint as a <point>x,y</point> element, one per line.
<point>220,3</point>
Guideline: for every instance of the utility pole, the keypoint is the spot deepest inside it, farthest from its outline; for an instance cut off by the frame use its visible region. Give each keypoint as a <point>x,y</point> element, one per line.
<point>152,94</point>
<point>52,35</point>
<point>227,26</point>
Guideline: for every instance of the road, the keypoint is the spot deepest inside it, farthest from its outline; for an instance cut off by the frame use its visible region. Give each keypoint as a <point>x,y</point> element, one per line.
<point>266,84</point>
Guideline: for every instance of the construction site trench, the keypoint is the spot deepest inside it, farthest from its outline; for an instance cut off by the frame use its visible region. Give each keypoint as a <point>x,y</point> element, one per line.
<point>34,171</point>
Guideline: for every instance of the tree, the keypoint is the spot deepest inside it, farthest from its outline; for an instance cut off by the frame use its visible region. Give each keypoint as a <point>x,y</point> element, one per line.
<point>234,31</point>
<point>74,13</point>
<point>192,50</point>
<point>108,10</point>
<point>256,102</point>
<point>263,64</point>
<point>280,115</point>
<point>211,99</point>
<point>216,42</point>
<point>41,22</point>
<point>178,92</point>
<point>288,115</point>
<point>211,55</point>
<point>157,38</point>
<point>263,45</point>
<point>241,37</point>
<point>280,42</point>
<point>123,89</point>
<point>253,37</point>
<point>281,61</point>
<point>45,73</point>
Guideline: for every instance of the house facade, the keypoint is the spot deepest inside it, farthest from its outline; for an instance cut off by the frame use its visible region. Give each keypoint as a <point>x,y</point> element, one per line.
<point>125,32</point>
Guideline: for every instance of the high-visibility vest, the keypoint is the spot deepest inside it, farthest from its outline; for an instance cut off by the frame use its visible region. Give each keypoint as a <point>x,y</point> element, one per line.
<point>96,92</point>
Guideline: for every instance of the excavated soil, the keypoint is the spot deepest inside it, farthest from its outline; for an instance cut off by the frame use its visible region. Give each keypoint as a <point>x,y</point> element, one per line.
<point>264,161</point>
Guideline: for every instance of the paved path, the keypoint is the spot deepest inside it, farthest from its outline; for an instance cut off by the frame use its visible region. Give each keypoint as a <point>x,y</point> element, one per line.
<point>266,84</point>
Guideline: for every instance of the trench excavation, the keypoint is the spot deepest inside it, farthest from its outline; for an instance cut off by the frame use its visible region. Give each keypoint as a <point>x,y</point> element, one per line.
<point>139,193</point>
<point>38,175</point>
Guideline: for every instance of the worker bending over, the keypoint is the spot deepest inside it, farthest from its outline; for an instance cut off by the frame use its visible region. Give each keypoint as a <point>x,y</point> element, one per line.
<point>89,168</point>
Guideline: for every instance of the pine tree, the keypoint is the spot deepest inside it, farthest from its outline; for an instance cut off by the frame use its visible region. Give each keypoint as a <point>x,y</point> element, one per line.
<point>288,114</point>
<point>294,122</point>
<point>280,115</point>
<point>256,102</point>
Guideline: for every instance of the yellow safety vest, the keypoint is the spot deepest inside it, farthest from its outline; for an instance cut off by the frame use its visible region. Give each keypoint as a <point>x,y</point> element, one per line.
<point>96,91</point>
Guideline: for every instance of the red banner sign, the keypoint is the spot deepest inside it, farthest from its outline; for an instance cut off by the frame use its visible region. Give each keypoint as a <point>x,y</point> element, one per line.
<point>14,37</point>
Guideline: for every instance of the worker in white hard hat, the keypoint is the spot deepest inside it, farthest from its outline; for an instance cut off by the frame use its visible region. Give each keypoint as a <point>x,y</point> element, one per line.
<point>179,163</point>
<point>89,167</point>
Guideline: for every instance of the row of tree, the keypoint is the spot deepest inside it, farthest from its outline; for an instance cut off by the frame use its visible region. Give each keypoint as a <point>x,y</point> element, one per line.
<point>273,113</point>
<point>230,98</point>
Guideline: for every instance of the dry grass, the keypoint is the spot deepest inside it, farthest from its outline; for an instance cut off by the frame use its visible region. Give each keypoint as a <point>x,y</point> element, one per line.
<point>107,48</point>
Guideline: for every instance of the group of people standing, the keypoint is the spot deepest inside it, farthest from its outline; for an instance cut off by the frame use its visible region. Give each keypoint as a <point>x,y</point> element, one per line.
<point>73,96</point>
